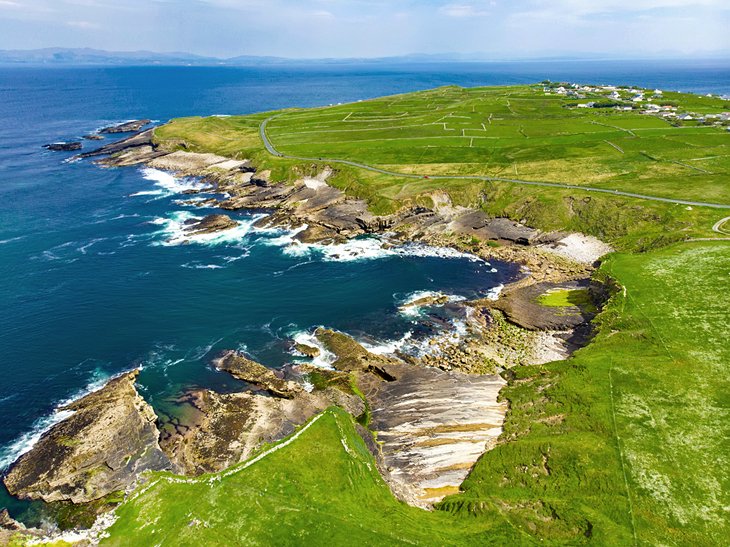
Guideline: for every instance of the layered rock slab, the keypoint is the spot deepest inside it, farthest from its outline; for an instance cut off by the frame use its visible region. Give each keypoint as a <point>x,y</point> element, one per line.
<point>432,426</point>
<point>103,446</point>
<point>239,366</point>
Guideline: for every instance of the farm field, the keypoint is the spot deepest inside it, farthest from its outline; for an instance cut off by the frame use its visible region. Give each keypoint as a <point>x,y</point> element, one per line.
<point>520,132</point>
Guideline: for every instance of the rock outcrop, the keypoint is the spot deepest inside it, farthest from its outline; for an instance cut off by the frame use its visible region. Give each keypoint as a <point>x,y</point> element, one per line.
<point>352,357</point>
<point>307,350</point>
<point>129,149</point>
<point>425,301</point>
<point>13,532</point>
<point>522,307</point>
<point>9,523</point>
<point>238,366</point>
<point>103,446</point>
<point>217,430</point>
<point>126,127</point>
<point>209,224</point>
<point>63,146</point>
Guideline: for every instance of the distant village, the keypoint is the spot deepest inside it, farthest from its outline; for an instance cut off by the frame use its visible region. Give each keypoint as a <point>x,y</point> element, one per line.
<point>632,99</point>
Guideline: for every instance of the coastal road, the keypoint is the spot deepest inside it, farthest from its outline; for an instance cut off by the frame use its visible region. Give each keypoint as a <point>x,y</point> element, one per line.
<point>272,150</point>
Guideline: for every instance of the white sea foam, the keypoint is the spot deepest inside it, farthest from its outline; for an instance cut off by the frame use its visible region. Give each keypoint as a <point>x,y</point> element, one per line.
<point>325,357</point>
<point>148,193</point>
<point>189,200</point>
<point>28,440</point>
<point>121,216</point>
<point>407,308</point>
<point>175,233</point>
<point>198,266</point>
<point>160,359</point>
<point>82,248</point>
<point>168,184</point>
<point>388,347</point>
<point>10,240</point>
<point>493,294</point>
<point>202,351</point>
<point>364,248</point>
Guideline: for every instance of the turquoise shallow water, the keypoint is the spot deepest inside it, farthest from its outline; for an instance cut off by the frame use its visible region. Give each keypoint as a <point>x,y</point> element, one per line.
<point>91,285</point>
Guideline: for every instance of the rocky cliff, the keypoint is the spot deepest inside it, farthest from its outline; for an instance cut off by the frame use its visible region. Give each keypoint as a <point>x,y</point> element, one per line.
<point>104,446</point>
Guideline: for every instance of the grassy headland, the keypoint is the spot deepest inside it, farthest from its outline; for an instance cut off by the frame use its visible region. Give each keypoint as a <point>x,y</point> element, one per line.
<point>518,132</point>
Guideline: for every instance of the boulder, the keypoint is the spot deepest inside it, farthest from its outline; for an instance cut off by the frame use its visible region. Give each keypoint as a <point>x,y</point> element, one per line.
<point>257,374</point>
<point>107,442</point>
<point>93,137</point>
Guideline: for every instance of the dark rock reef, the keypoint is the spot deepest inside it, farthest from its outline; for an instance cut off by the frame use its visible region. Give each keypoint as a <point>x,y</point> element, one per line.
<point>102,447</point>
<point>126,127</point>
<point>63,146</point>
<point>143,139</point>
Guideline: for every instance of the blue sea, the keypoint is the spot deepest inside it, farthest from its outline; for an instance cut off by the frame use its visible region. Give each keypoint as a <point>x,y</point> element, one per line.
<point>96,278</point>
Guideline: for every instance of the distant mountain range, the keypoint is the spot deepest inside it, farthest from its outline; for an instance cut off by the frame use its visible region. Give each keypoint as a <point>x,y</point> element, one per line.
<point>88,56</point>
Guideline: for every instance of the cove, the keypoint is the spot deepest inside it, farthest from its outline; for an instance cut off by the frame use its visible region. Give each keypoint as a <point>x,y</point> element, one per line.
<point>117,285</point>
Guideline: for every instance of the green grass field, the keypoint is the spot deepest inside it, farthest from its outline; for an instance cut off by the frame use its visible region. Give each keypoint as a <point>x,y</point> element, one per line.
<point>323,489</point>
<point>519,132</point>
<point>628,440</point>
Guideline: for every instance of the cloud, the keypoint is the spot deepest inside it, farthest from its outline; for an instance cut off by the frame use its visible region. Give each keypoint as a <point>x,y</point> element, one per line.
<point>323,14</point>
<point>583,8</point>
<point>464,10</point>
<point>86,25</point>
<point>363,28</point>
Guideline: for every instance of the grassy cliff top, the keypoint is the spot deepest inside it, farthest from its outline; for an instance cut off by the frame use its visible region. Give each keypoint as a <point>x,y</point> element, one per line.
<point>517,133</point>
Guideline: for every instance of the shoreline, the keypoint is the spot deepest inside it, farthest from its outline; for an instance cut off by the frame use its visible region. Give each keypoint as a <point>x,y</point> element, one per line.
<point>539,262</point>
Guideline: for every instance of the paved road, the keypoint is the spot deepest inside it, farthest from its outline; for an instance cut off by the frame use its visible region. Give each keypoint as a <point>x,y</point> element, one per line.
<point>272,150</point>
<point>719,224</point>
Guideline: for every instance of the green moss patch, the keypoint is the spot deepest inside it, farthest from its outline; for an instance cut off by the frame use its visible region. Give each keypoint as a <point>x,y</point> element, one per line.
<point>564,298</point>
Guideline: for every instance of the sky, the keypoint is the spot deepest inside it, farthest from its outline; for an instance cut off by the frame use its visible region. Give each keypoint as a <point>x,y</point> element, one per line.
<point>493,29</point>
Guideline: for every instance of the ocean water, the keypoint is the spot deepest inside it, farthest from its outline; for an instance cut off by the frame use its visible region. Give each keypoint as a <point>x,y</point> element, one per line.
<point>96,277</point>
